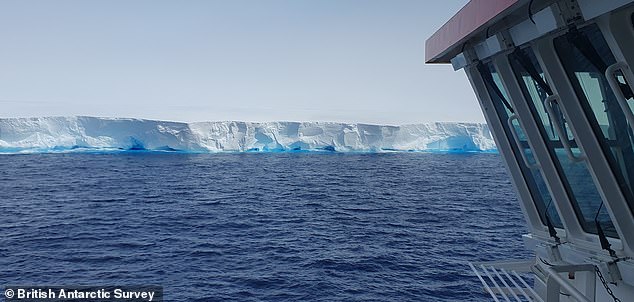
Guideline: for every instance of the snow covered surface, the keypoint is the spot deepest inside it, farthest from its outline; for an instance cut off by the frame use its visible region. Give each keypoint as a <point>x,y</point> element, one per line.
<point>77,134</point>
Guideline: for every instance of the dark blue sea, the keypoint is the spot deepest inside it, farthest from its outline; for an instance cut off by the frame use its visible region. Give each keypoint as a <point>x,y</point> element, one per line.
<point>259,226</point>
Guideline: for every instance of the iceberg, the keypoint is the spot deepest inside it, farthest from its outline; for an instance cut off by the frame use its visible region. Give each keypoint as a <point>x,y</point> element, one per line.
<point>79,133</point>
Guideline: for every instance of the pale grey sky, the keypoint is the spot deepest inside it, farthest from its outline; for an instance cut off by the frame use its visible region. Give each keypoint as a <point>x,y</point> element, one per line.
<point>251,60</point>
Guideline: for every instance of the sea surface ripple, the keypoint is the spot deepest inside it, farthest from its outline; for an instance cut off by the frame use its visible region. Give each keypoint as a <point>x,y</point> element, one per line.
<point>259,227</point>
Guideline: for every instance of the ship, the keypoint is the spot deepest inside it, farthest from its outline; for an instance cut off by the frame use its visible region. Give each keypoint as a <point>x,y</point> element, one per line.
<point>554,82</point>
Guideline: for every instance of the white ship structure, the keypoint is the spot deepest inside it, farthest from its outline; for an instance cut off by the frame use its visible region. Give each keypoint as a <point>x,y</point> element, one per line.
<point>554,79</point>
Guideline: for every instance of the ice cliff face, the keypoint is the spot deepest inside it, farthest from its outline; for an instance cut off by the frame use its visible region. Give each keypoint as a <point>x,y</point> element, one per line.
<point>66,133</point>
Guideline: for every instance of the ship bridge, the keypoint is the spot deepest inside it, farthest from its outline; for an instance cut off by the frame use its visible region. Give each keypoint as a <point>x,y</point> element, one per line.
<point>554,80</point>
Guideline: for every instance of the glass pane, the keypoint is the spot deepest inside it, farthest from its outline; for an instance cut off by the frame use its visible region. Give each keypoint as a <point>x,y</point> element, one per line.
<point>576,177</point>
<point>536,93</point>
<point>535,182</point>
<point>585,56</point>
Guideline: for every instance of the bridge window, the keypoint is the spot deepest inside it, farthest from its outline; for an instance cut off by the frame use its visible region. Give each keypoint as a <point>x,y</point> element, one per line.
<point>536,184</point>
<point>586,56</point>
<point>576,177</point>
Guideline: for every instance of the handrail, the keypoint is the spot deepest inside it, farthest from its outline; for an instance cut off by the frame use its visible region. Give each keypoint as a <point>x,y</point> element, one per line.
<point>522,291</point>
<point>563,136</point>
<point>518,142</point>
<point>483,270</point>
<point>497,287</point>
<point>610,75</point>
<point>486,286</point>
<point>506,284</point>
<point>529,288</point>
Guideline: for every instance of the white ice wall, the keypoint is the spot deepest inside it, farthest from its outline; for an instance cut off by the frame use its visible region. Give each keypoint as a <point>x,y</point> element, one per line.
<point>19,134</point>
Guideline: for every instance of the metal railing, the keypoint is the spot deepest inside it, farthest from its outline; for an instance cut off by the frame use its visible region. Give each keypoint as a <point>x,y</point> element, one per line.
<point>502,281</point>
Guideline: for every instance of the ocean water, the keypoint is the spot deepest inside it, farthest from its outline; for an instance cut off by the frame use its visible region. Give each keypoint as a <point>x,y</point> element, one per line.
<point>259,227</point>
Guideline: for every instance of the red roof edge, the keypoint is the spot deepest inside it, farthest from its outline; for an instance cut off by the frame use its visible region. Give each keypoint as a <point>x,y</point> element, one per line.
<point>469,19</point>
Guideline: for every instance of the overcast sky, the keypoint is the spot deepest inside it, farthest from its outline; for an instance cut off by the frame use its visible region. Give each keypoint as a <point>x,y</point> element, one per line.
<point>251,60</point>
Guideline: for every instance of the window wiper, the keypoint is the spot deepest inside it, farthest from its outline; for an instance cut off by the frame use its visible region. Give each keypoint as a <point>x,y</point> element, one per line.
<point>551,227</point>
<point>585,47</point>
<point>488,80</point>
<point>525,62</point>
<point>605,244</point>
